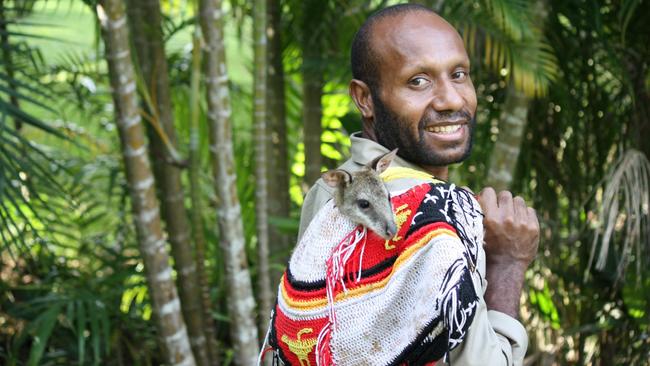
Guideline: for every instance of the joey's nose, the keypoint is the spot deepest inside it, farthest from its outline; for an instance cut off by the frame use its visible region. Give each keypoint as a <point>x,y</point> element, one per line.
<point>391,229</point>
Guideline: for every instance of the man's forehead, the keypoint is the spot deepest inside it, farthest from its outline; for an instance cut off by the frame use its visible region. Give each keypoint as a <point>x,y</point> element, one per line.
<point>409,17</point>
<point>401,31</point>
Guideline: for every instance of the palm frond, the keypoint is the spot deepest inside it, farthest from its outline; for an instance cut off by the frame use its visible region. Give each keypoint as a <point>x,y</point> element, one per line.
<point>623,218</point>
<point>510,16</point>
<point>510,43</point>
<point>628,9</point>
<point>35,196</point>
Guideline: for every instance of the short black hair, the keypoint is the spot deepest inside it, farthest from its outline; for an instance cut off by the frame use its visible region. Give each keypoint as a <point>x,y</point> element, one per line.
<point>362,58</point>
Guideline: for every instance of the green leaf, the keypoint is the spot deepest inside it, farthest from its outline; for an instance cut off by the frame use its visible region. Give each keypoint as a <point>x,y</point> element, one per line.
<point>44,325</point>
<point>288,225</point>
<point>351,122</point>
<point>24,97</point>
<point>26,86</point>
<point>95,334</point>
<point>81,327</point>
<point>106,330</point>
<point>29,119</point>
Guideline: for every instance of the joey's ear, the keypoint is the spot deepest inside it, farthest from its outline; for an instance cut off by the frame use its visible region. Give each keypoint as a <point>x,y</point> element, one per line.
<point>337,177</point>
<point>383,162</point>
<point>360,93</point>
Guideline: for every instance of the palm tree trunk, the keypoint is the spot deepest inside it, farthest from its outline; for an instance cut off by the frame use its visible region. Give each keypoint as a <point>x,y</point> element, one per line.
<point>312,112</point>
<point>155,71</point>
<point>641,117</point>
<point>278,171</point>
<point>508,145</point>
<point>261,161</point>
<point>312,90</point>
<point>512,125</point>
<point>241,304</point>
<point>164,298</point>
<point>197,205</point>
<point>143,60</point>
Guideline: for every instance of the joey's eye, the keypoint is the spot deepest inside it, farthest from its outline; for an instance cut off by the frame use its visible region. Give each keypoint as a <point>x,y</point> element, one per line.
<point>363,204</point>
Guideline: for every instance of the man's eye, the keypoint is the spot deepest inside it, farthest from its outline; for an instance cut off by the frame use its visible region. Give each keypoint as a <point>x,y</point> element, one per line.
<point>418,81</point>
<point>462,75</point>
<point>363,204</point>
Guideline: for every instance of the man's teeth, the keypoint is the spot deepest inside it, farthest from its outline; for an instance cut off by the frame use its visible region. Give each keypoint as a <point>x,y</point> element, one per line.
<point>444,129</point>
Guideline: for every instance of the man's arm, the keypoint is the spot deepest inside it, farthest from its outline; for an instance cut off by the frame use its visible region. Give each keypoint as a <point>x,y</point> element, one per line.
<point>511,240</point>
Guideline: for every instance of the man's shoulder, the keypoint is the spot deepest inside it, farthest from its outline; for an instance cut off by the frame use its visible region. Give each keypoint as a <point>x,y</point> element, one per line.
<point>433,199</point>
<point>318,195</point>
<point>400,178</point>
<point>320,191</point>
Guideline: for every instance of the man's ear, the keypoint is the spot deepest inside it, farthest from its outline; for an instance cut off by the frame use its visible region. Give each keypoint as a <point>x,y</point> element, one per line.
<point>360,93</point>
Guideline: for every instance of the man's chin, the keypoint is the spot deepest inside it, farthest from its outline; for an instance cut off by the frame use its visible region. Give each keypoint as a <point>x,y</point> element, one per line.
<point>445,158</point>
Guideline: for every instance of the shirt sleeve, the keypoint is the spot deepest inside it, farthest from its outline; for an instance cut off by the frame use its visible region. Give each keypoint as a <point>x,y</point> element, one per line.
<point>494,338</point>
<point>314,200</point>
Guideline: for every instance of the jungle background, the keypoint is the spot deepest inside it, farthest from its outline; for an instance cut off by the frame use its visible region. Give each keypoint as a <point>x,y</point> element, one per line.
<point>152,227</point>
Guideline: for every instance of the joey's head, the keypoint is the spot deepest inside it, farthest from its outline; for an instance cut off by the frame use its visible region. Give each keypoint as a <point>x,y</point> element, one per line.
<point>362,195</point>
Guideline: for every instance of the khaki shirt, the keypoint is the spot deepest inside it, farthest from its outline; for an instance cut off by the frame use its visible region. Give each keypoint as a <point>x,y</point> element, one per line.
<point>494,338</point>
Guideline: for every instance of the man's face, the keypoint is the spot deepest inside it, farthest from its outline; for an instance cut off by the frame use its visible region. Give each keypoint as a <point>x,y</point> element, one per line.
<point>426,101</point>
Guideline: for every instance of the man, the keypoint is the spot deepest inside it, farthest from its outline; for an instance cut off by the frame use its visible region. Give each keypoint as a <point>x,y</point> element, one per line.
<point>457,299</point>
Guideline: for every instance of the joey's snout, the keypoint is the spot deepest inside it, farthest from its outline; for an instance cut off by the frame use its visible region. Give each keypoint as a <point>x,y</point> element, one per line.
<point>385,224</point>
<point>390,230</point>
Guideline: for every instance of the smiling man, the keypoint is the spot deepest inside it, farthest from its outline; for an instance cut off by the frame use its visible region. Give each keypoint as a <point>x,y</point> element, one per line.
<point>412,86</point>
<point>446,288</point>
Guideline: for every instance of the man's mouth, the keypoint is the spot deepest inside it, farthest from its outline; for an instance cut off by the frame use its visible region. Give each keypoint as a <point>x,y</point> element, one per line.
<point>445,129</point>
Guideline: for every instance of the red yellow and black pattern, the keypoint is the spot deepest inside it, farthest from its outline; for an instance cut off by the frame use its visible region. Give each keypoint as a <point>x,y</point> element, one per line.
<point>404,301</point>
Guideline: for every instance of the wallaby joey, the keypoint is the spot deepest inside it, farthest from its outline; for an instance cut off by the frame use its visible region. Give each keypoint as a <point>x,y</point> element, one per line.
<point>363,197</point>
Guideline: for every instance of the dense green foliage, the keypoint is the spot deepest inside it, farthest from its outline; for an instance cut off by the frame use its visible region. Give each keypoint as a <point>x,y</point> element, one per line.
<point>72,288</point>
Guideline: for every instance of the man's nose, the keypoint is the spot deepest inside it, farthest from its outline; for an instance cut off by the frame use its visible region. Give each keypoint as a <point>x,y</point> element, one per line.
<point>446,97</point>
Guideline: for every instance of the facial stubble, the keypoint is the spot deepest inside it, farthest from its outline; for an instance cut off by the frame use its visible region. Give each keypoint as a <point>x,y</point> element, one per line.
<point>392,132</point>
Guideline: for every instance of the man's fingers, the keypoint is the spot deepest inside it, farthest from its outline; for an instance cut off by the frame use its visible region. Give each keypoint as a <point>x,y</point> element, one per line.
<point>504,199</point>
<point>532,217</point>
<point>520,208</point>
<point>487,198</point>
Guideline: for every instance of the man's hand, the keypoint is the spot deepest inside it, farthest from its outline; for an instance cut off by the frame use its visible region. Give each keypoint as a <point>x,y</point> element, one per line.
<point>511,228</point>
<point>511,240</point>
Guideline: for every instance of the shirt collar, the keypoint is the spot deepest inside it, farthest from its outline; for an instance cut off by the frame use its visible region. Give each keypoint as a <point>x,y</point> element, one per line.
<point>364,150</point>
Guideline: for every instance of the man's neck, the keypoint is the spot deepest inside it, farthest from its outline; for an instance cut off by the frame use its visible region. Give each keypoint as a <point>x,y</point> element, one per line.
<point>440,172</point>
